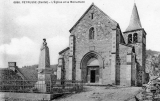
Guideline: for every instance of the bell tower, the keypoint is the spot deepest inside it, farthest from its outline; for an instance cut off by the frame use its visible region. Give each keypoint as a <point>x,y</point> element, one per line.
<point>135,36</point>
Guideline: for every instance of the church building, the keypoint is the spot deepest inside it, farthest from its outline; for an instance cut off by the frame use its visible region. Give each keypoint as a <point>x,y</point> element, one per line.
<point>99,53</point>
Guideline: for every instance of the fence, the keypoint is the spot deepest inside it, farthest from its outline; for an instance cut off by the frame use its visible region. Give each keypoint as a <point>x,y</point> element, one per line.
<point>28,86</point>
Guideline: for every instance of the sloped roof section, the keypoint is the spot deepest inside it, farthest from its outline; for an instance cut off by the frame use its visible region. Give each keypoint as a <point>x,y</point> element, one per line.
<point>92,5</point>
<point>134,23</point>
<point>8,74</point>
<point>30,72</point>
<point>63,50</point>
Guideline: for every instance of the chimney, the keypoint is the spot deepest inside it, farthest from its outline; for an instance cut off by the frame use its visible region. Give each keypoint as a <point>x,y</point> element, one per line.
<point>12,66</point>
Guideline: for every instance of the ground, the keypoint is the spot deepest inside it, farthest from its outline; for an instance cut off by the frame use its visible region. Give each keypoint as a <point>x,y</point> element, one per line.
<point>97,93</point>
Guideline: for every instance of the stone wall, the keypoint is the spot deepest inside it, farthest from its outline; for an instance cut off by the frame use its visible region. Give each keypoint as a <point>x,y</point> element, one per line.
<point>9,96</point>
<point>125,64</point>
<point>66,64</point>
<point>104,28</point>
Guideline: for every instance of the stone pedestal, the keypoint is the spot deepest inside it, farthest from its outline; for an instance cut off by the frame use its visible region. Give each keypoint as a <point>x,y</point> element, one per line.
<point>41,86</point>
<point>44,79</point>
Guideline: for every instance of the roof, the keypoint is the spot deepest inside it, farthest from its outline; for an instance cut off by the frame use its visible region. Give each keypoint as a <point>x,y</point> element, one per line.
<point>30,72</point>
<point>8,74</point>
<point>85,14</point>
<point>134,23</point>
<point>63,50</point>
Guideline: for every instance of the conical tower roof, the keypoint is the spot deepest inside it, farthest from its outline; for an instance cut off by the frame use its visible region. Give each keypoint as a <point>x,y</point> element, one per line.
<point>135,20</point>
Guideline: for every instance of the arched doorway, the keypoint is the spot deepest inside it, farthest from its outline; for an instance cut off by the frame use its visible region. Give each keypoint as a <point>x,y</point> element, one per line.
<point>91,68</point>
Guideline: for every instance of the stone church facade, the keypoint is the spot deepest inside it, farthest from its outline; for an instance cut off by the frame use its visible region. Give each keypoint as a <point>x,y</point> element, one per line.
<point>100,54</point>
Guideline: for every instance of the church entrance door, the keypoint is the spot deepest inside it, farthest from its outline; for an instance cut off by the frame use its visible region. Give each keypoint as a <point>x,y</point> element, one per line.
<point>93,76</point>
<point>91,68</point>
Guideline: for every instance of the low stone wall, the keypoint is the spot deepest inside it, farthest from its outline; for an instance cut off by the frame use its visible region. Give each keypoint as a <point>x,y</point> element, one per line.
<point>9,96</point>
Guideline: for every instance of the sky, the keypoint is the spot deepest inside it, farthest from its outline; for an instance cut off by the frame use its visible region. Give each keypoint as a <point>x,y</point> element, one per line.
<point>23,26</point>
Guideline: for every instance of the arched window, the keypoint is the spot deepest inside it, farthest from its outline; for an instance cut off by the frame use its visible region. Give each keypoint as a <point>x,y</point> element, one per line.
<point>130,38</point>
<point>91,33</point>
<point>135,38</point>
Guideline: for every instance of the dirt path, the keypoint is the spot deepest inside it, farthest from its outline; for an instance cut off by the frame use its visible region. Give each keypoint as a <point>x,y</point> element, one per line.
<point>102,94</point>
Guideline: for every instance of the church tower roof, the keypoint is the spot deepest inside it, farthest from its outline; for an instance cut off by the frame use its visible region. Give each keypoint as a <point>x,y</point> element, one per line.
<point>134,20</point>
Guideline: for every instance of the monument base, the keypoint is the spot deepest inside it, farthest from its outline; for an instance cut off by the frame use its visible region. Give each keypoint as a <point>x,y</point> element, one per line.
<point>41,86</point>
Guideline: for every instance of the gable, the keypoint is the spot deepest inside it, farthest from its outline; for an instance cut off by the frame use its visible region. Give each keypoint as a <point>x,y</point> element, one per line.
<point>93,13</point>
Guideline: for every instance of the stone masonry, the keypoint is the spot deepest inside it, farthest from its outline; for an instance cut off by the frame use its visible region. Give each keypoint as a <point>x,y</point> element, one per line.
<point>97,37</point>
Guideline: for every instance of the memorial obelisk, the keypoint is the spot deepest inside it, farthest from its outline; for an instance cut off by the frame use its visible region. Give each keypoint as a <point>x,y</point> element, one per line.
<point>44,70</point>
